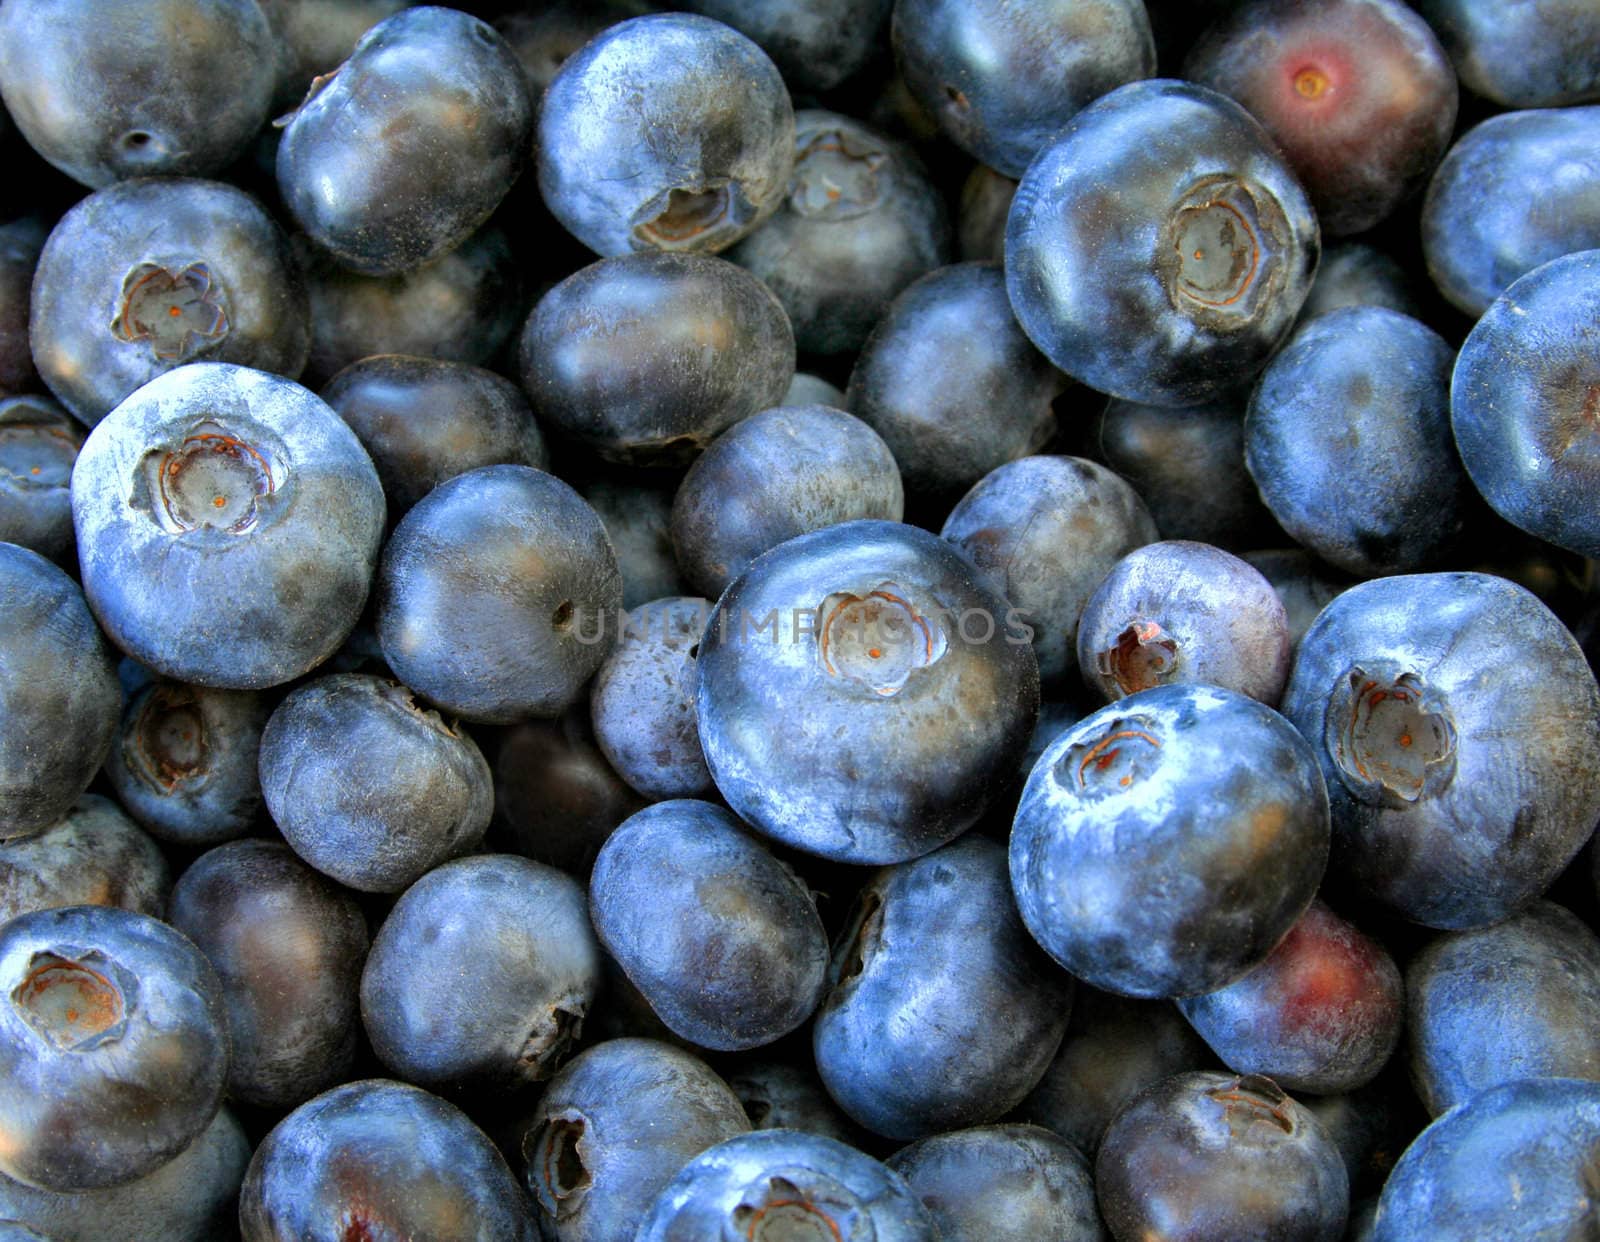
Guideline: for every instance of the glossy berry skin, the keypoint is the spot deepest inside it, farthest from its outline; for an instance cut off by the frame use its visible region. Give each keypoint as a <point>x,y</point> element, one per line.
<point>1458,796</point>
<point>191,1198</point>
<point>39,443</point>
<point>775,1183</point>
<point>94,855</point>
<point>1003,1183</point>
<point>1166,844</point>
<point>1321,1014</point>
<point>512,1018</point>
<point>1044,531</point>
<point>1176,613</point>
<point>951,384</point>
<point>908,1040</point>
<point>185,762</point>
<point>773,476</point>
<point>1482,230</point>
<point>369,786</point>
<point>1524,398</point>
<point>721,938</point>
<point>498,594</point>
<point>1525,56</point>
<point>107,92</point>
<point>248,592</point>
<point>409,145</point>
<point>1520,999</point>
<point>1106,282</point>
<point>641,701</point>
<point>59,695</point>
<point>665,132</point>
<point>1513,1162</point>
<point>113,1046</point>
<point>121,261</point>
<point>1002,81</point>
<point>287,945</point>
<point>613,1128</point>
<point>1348,439</point>
<point>1357,94</point>
<point>643,359</point>
<point>817,44</point>
<point>861,221</point>
<point>425,420</point>
<point>912,721</point>
<point>1206,1157</point>
<point>380,1158</point>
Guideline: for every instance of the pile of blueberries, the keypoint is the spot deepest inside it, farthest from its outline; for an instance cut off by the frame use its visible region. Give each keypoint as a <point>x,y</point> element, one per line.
<point>799,621</point>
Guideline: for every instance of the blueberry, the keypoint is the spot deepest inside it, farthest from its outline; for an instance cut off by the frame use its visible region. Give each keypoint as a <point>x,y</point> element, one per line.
<point>512,1018</point>
<point>773,476</point>
<point>497,595</point>
<point>917,691</point>
<point>141,278</point>
<point>113,1046</point>
<point>545,38</point>
<point>380,1159</point>
<point>1525,396</point>
<point>406,148</point>
<point>106,91</point>
<point>1176,613</point>
<point>20,244</point>
<point>1458,726</point>
<point>59,695</point>
<point>783,1095</point>
<point>370,787</point>
<point>808,389</point>
<point>817,44</point>
<point>775,1184</point>
<point>1539,56</point>
<point>228,526</point>
<point>39,444</point>
<point>1166,844</point>
<point>93,856</point>
<point>636,510</point>
<point>287,946</point>
<point>1158,248</point>
<point>942,1011</point>
<point>1355,273</point>
<point>1304,584</point>
<point>981,220</point>
<point>318,35</point>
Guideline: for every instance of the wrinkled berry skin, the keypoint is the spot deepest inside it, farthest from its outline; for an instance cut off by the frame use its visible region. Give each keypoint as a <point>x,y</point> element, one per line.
<point>860,222</point>
<point>1104,231</point>
<point>1520,999</point>
<point>1321,1014</point>
<point>1206,1157</point>
<point>643,359</point>
<point>778,474</point>
<point>122,260</point>
<point>113,1046</point>
<point>370,787</point>
<point>243,594</point>
<point>911,1040</point>
<point>613,1128</point>
<point>265,920</point>
<point>1542,55</point>
<point>1002,82</point>
<point>1357,94</point>
<point>721,938</point>
<point>801,1183</point>
<point>162,88</point>
<point>94,855</point>
<point>1524,399</point>
<point>509,1020</point>
<point>1481,227</point>
<point>665,132</point>
<point>410,145</point>
<point>39,443</point>
<point>1461,781</point>
<point>59,695</point>
<point>185,762</point>
<point>816,43</point>
<point>380,1159</point>
<point>1516,1161</point>
<point>498,594</point>
<point>1348,439</point>
<point>911,723</point>
<point>1165,845</point>
<point>1003,1183</point>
